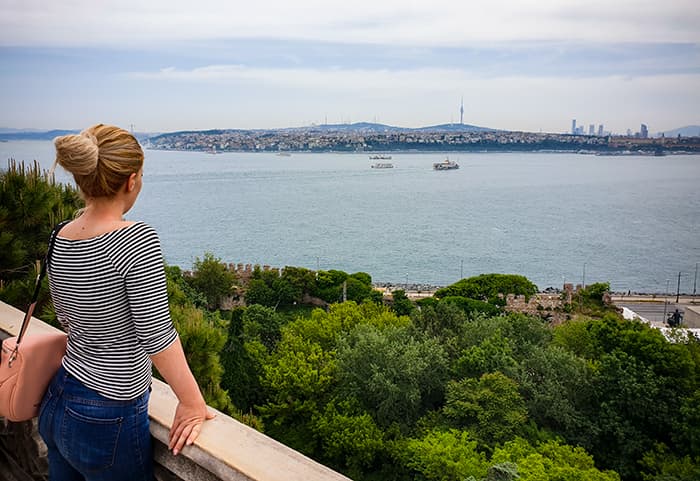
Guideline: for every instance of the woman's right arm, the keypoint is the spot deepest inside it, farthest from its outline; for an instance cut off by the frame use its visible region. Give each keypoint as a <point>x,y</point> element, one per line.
<point>191,410</point>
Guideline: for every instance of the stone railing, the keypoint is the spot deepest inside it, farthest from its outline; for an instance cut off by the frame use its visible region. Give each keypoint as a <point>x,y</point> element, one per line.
<point>225,450</point>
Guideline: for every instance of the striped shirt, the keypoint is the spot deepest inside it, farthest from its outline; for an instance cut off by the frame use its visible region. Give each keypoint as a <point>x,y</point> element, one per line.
<point>110,295</point>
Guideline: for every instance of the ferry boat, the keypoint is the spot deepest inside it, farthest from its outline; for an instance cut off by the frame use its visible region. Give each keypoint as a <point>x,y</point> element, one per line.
<point>446,164</point>
<point>382,165</point>
<point>380,157</point>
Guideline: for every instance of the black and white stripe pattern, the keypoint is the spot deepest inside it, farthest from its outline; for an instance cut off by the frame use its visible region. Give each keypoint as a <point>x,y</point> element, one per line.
<point>110,296</point>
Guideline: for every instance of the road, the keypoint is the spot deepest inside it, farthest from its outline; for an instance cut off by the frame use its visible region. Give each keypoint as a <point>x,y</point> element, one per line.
<point>653,308</point>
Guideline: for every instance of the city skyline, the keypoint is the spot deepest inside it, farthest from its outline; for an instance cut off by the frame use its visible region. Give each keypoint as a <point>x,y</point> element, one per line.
<point>519,66</point>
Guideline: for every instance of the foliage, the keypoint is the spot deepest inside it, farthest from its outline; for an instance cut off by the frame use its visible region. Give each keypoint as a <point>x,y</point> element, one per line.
<point>329,286</point>
<point>180,292</point>
<point>212,278</point>
<point>202,341</point>
<point>444,455</point>
<point>557,387</point>
<point>590,300</point>
<point>551,461</point>
<point>401,304</point>
<point>489,287</point>
<point>642,387</point>
<point>662,465</point>
<point>298,376</point>
<point>394,376</point>
<point>490,407</point>
<point>472,306</point>
<point>349,437</point>
<point>269,288</point>
<point>31,204</point>
<point>241,377</point>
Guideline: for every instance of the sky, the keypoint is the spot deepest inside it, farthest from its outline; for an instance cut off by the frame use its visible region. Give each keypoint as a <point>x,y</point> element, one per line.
<point>523,65</point>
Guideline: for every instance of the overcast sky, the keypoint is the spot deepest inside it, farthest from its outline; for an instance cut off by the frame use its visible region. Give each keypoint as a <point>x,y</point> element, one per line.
<point>529,65</point>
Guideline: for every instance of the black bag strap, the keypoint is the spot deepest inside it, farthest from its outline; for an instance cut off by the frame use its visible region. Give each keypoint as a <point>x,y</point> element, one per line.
<point>39,278</point>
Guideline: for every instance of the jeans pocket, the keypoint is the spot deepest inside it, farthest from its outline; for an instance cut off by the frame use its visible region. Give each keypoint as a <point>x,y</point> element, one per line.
<point>90,441</point>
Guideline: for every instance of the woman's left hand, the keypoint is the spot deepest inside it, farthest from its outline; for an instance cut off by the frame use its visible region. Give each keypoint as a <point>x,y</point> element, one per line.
<point>187,425</point>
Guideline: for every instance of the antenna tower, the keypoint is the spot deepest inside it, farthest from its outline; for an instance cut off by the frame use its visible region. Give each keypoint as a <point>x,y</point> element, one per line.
<point>461,112</point>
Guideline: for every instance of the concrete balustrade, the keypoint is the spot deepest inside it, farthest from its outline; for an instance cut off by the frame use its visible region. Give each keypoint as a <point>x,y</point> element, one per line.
<point>226,449</point>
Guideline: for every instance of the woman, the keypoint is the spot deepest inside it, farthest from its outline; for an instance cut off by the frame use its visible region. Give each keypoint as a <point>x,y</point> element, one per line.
<point>108,287</point>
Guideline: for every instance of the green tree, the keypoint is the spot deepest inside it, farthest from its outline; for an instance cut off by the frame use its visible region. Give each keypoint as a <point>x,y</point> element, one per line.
<point>31,204</point>
<point>490,407</point>
<point>660,464</point>
<point>259,292</point>
<point>241,377</point>
<point>401,304</point>
<point>179,290</point>
<point>472,306</point>
<point>262,324</point>
<point>394,376</point>
<point>489,287</point>
<point>272,289</point>
<point>439,455</point>
<point>495,353</point>
<point>349,438</point>
<point>329,285</point>
<point>558,390</point>
<point>551,461</point>
<point>202,341</point>
<point>212,278</point>
<point>298,377</point>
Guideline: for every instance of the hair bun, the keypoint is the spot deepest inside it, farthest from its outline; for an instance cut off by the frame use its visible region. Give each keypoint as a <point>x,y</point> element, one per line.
<point>78,154</point>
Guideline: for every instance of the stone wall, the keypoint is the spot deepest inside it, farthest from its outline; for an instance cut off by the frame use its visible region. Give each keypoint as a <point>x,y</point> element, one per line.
<point>545,305</point>
<point>225,450</point>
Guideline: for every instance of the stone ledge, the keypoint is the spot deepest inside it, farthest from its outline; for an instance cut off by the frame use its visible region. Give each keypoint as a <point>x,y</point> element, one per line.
<point>225,450</point>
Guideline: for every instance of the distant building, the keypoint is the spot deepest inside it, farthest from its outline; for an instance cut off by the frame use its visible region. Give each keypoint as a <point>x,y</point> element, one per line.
<point>573,127</point>
<point>600,130</point>
<point>644,132</point>
<point>591,129</point>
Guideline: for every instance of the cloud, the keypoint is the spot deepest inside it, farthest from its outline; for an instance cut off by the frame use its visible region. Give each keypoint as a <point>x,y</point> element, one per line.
<point>388,22</point>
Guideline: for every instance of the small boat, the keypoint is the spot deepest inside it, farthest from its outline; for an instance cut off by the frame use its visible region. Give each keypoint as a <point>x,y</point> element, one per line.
<point>446,164</point>
<point>382,165</point>
<point>380,157</point>
<point>284,154</point>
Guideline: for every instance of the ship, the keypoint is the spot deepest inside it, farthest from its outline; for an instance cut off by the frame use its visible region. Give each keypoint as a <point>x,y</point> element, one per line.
<point>380,157</point>
<point>446,164</point>
<point>382,165</point>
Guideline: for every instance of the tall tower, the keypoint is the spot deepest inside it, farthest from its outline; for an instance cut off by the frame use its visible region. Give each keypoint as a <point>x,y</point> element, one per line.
<point>461,112</point>
<point>573,127</point>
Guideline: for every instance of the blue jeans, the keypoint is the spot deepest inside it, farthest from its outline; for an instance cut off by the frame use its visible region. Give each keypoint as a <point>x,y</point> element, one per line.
<point>93,438</point>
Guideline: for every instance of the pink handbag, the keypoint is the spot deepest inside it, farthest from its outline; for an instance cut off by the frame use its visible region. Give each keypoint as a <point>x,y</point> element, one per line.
<point>25,373</point>
<point>28,362</point>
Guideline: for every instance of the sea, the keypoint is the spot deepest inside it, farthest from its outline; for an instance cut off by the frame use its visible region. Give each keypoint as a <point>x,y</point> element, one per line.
<point>632,221</point>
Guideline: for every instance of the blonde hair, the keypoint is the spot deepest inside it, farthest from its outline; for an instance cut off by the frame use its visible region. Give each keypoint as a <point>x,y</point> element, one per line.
<point>101,158</point>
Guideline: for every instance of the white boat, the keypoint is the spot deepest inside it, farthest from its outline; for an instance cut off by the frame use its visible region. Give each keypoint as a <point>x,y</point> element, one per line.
<point>380,157</point>
<point>446,164</point>
<point>382,165</point>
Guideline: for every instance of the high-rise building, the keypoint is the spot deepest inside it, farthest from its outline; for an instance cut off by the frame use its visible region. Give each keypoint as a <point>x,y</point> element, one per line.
<point>591,129</point>
<point>573,127</point>
<point>644,131</point>
<point>461,112</point>
<point>600,130</point>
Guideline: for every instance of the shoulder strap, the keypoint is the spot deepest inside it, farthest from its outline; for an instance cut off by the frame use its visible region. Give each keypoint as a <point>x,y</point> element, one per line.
<point>39,278</point>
